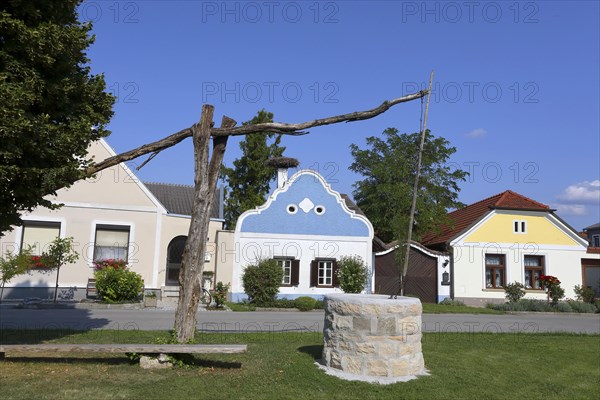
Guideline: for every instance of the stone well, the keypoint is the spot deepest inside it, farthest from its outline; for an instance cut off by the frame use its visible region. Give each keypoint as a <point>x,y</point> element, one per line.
<point>372,338</point>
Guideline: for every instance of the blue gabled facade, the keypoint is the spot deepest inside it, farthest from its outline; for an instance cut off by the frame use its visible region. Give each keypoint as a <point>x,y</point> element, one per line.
<point>307,223</point>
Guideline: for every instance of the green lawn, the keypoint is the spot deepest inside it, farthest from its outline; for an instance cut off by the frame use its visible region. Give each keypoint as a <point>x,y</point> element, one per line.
<point>462,366</point>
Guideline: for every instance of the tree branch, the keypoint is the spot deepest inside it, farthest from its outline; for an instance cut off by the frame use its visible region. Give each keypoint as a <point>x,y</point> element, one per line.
<point>271,127</point>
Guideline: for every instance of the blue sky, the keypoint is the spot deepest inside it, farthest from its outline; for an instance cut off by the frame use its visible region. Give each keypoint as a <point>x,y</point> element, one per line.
<point>516,89</point>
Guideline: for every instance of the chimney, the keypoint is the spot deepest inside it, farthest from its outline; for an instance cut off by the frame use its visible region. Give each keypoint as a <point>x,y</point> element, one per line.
<point>282,164</point>
<point>282,177</point>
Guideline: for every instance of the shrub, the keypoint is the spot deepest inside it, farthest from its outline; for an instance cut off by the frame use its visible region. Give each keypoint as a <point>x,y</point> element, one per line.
<point>514,291</point>
<point>585,294</point>
<point>219,294</point>
<point>555,292</point>
<point>352,274</point>
<point>305,303</point>
<point>262,280</point>
<point>115,284</point>
<point>582,307</point>
<point>277,303</point>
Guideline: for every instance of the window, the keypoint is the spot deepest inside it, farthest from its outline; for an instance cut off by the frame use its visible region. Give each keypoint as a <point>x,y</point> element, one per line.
<point>112,241</point>
<point>534,268</point>
<point>495,268</point>
<point>324,273</point>
<point>38,235</point>
<point>596,241</point>
<point>519,227</point>
<point>287,271</point>
<point>291,271</point>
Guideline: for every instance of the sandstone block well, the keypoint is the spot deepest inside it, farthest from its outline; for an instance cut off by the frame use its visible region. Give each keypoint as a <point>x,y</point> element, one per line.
<point>372,338</point>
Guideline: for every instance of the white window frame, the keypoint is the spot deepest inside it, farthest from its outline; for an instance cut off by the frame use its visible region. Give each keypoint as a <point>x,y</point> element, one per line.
<point>131,246</point>
<point>286,265</point>
<point>19,230</point>
<point>324,266</point>
<point>595,242</point>
<point>519,226</point>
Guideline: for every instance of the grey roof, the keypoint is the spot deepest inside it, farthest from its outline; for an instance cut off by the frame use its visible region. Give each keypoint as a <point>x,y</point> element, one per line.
<point>351,205</point>
<point>179,199</point>
<point>595,226</point>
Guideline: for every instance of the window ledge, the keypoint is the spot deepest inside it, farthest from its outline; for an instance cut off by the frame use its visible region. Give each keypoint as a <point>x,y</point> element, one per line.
<point>492,290</point>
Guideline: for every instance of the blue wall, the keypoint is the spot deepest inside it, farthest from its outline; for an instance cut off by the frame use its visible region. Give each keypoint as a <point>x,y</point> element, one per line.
<point>335,221</point>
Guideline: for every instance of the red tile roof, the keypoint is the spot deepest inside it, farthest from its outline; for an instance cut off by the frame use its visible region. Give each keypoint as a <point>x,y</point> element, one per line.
<point>593,250</point>
<point>464,218</point>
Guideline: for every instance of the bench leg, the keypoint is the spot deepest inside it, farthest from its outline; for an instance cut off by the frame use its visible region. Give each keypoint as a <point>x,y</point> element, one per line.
<point>2,356</point>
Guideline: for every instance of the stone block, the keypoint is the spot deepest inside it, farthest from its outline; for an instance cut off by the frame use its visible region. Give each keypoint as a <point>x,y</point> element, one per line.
<point>388,350</point>
<point>386,326</point>
<point>154,363</point>
<point>352,364</point>
<point>361,324</point>
<point>342,322</point>
<point>377,368</point>
<point>335,360</point>
<point>399,367</point>
<point>364,348</point>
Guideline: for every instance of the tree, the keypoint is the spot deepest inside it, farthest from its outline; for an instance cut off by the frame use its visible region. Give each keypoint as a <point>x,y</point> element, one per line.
<point>13,265</point>
<point>389,168</point>
<point>59,253</point>
<point>51,106</point>
<point>250,178</point>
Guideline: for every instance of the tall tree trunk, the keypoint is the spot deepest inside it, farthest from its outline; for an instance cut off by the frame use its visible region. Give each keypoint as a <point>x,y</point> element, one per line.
<point>205,182</point>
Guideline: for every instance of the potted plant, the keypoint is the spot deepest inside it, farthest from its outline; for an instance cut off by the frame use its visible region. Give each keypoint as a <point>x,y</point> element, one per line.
<point>150,299</point>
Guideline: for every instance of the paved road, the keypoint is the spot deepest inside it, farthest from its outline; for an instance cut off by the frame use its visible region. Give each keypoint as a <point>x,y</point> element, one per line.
<point>242,322</point>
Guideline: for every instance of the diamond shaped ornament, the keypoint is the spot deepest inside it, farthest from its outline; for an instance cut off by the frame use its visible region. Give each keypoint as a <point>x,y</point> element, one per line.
<point>306,205</point>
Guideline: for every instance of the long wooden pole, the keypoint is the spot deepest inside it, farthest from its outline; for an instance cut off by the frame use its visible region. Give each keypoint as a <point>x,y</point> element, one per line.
<point>415,190</point>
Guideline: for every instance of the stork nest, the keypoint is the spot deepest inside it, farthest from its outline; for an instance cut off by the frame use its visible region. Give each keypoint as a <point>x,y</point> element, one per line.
<point>282,162</point>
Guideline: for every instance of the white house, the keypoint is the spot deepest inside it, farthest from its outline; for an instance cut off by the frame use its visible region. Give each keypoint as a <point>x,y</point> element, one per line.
<point>306,226</point>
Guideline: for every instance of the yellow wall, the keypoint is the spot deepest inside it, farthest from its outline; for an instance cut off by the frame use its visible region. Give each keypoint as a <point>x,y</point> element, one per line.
<point>499,229</point>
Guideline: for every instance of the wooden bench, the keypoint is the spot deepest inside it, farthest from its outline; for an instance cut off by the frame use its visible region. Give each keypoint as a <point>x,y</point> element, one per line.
<point>91,290</point>
<point>125,348</point>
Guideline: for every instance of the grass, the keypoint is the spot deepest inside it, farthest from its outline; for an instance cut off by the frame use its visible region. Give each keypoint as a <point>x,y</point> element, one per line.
<point>428,308</point>
<point>280,366</point>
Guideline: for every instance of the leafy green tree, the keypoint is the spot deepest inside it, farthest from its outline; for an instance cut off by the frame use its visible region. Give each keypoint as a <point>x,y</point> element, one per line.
<point>59,253</point>
<point>249,181</point>
<point>51,106</point>
<point>389,167</point>
<point>13,265</point>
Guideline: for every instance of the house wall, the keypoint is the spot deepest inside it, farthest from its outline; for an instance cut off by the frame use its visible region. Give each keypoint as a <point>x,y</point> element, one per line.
<point>305,219</point>
<point>544,236</point>
<point>303,247</point>
<point>113,197</point>
<point>224,257</point>
<point>179,225</point>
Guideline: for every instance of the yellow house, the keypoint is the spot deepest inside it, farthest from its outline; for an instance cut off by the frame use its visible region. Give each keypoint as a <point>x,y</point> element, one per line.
<point>113,215</point>
<point>504,239</point>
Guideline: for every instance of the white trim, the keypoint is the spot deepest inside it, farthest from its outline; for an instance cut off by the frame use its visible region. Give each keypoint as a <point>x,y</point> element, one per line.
<point>157,242</point>
<point>521,223</point>
<point>33,218</point>
<point>416,247</point>
<point>292,237</point>
<point>506,271</point>
<point>512,246</point>
<point>97,222</point>
<point>134,178</point>
<point>551,217</point>
<point>114,207</point>
<point>258,210</point>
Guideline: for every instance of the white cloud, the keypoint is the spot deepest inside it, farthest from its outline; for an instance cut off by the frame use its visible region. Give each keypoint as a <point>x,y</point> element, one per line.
<point>476,133</point>
<point>582,192</point>
<point>570,209</point>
